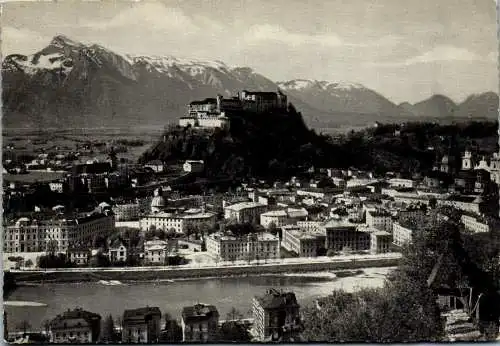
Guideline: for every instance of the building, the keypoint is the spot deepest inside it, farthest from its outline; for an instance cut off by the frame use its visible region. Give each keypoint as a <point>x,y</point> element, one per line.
<point>64,230</point>
<point>276,316</point>
<point>199,323</point>
<point>179,222</point>
<point>309,225</point>
<point>282,217</point>
<point>244,212</point>
<point>401,235</point>
<point>254,246</point>
<point>117,251</point>
<point>156,165</point>
<point>469,160</point>
<point>380,242</point>
<point>379,219</point>
<point>141,325</point>
<point>75,326</point>
<point>193,166</point>
<point>303,242</point>
<point>157,251</point>
<point>471,204</point>
<point>79,255</point>
<point>342,235</point>
<point>474,224</point>
<point>126,211</point>
<point>259,101</point>
<point>415,212</point>
<point>399,182</point>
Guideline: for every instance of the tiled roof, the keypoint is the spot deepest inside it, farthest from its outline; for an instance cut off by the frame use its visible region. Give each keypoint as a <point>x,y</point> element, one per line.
<point>140,314</point>
<point>199,312</point>
<point>74,318</point>
<point>275,299</point>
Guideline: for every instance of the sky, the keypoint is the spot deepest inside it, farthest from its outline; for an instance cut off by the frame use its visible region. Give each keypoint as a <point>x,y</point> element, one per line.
<point>405,49</point>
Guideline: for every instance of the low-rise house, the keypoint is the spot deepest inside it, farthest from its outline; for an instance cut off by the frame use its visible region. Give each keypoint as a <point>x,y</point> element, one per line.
<point>79,255</point>
<point>141,325</point>
<point>156,251</point>
<point>199,323</point>
<point>117,251</point>
<point>75,326</point>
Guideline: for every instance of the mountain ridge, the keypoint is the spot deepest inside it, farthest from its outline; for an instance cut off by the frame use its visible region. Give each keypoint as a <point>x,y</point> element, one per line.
<point>69,83</point>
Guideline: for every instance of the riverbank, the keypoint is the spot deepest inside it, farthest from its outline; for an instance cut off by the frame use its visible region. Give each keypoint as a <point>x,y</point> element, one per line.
<point>180,272</point>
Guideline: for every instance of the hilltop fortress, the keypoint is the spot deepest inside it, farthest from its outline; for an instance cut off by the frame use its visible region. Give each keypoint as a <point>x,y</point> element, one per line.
<point>213,112</point>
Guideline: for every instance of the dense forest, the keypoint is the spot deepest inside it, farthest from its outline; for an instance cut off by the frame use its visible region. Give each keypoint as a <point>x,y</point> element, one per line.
<point>278,144</point>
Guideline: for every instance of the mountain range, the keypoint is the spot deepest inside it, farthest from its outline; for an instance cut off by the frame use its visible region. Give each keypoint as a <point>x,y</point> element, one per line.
<point>69,84</point>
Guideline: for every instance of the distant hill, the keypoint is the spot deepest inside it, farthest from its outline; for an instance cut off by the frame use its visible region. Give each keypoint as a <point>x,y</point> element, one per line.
<point>478,106</point>
<point>69,84</point>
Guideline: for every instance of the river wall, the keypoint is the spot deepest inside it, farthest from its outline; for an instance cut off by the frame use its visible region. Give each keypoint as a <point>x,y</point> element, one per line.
<point>165,273</point>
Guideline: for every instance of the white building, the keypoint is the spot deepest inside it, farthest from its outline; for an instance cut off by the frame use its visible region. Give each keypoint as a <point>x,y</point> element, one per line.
<point>32,235</point>
<point>157,251</point>
<point>399,182</point>
<point>401,235</point>
<point>305,243</point>
<point>178,222</point>
<point>117,251</point>
<point>193,166</point>
<point>56,186</point>
<point>254,246</point>
<point>473,224</point>
<point>244,212</point>
<point>282,217</point>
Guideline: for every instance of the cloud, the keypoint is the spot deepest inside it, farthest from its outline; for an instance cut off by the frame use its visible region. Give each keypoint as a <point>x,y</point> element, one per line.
<point>30,41</point>
<point>155,17</point>
<point>269,32</point>
<point>445,53</point>
<point>440,54</point>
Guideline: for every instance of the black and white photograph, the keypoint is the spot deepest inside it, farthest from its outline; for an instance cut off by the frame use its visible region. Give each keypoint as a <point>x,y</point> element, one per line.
<point>250,171</point>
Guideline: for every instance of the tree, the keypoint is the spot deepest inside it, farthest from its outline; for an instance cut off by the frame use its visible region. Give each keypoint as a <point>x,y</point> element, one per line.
<point>172,332</point>
<point>51,247</point>
<point>234,314</point>
<point>108,330</point>
<point>233,331</point>
<point>28,263</point>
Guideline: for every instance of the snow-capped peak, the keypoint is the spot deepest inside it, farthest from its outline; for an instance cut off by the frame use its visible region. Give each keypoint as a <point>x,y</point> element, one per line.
<point>62,41</point>
<point>300,84</point>
<point>345,85</point>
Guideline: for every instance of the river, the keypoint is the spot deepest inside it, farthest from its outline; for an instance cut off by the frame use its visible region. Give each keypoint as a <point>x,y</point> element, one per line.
<point>171,296</point>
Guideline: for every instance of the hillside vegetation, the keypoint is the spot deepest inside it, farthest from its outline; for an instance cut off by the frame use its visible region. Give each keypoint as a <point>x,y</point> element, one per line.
<point>278,144</point>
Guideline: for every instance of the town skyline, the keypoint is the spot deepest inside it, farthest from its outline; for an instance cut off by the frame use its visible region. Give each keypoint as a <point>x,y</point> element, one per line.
<point>419,52</point>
